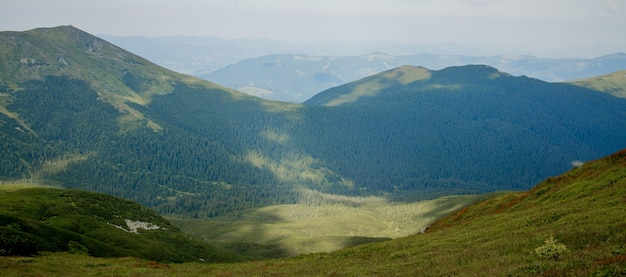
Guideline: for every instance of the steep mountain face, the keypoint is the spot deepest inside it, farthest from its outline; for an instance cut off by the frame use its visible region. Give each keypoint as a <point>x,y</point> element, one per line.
<point>295,78</point>
<point>79,112</point>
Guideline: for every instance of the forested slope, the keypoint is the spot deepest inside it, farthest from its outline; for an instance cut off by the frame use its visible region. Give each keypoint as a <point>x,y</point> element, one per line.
<point>79,112</point>
<point>463,127</point>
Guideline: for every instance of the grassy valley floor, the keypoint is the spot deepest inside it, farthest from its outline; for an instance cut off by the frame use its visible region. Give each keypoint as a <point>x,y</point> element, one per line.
<point>289,230</point>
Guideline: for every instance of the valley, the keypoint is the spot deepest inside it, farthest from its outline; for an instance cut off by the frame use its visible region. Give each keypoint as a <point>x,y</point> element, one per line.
<point>294,229</point>
<point>112,164</point>
<point>582,208</point>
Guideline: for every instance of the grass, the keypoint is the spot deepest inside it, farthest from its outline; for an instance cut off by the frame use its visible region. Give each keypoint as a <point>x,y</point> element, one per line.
<point>584,209</point>
<point>614,83</point>
<point>287,230</point>
<point>13,186</point>
<point>35,219</point>
<point>375,84</point>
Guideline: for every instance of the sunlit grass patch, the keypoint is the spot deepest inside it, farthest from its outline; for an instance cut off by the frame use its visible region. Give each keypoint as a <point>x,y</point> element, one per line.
<point>12,186</point>
<point>323,222</point>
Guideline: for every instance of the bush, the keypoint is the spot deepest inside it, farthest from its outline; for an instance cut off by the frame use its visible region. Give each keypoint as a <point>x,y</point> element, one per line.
<point>551,249</point>
<point>15,243</point>
<point>75,247</point>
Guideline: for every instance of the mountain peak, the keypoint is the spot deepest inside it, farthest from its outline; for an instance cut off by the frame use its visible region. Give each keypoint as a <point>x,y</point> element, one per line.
<point>119,77</point>
<point>66,29</point>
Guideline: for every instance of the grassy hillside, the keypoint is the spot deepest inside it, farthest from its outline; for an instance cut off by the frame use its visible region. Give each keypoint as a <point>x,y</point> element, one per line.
<point>614,83</point>
<point>35,219</point>
<point>582,209</point>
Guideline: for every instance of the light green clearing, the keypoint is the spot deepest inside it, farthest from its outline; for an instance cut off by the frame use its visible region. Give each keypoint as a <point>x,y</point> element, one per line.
<point>371,87</point>
<point>299,228</point>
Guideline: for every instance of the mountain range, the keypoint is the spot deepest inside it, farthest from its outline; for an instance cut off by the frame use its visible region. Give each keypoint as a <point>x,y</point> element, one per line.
<point>202,55</point>
<point>79,112</point>
<point>296,78</point>
<point>295,72</point>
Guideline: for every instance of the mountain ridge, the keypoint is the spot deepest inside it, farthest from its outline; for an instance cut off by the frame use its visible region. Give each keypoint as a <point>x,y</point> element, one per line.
<point>114,73</point>
<point>495,106</point>
<point>195,149</point>
<point>295,78</point>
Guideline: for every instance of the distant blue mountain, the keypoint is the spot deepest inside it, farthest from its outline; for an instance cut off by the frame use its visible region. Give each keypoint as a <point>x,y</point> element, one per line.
<point>295,78</point>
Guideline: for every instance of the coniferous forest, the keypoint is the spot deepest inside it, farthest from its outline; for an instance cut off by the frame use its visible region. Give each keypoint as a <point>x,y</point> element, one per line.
<point>86,114</point>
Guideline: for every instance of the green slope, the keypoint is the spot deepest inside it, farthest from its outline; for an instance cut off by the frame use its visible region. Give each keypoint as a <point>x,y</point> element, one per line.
<point>119,77</point>
<point>614,83</point>
<point>461,127</point>
<point>42,219</point>
<point>370,86</point>
<point>324,223</point>
<point>78,111</point>
<point>583,209</point>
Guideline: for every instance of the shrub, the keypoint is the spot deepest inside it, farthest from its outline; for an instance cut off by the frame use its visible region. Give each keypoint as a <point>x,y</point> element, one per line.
<point>15,243</point>
<point>75,247</point>
<point>551,249</point>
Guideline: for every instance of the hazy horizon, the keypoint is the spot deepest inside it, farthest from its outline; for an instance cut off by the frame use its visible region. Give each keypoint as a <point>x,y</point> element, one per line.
<point>545,28</point>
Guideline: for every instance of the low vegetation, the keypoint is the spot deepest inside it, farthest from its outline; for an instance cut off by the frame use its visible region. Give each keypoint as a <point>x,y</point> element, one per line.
<point>552,249</point>
<point>320,223</point>
<point>582,209</point>
<point>35,219</point>
<point>614,83</point>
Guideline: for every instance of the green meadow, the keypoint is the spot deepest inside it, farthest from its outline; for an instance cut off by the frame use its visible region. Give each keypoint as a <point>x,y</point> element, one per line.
<point>331,223</point>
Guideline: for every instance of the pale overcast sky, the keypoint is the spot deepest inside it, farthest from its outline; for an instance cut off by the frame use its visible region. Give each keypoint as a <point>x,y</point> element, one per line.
<point>577,28</point>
